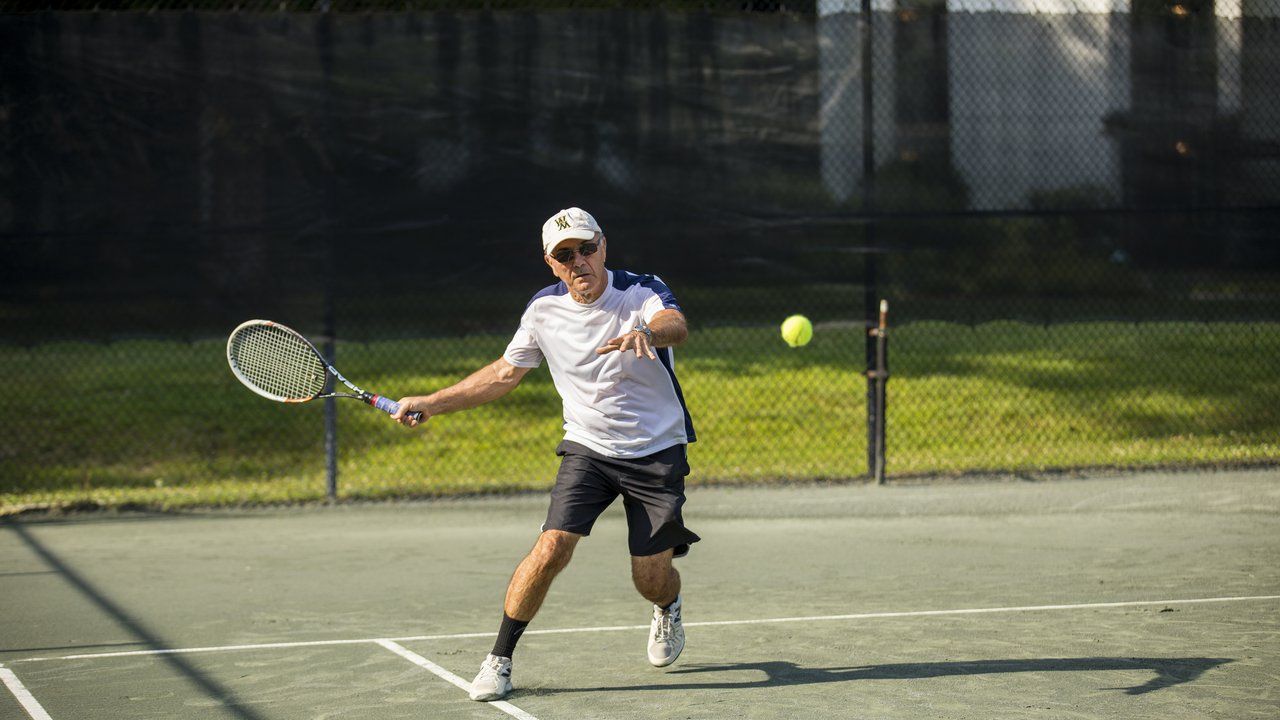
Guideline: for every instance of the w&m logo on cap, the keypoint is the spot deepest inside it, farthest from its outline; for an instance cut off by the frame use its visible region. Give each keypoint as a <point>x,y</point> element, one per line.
<point>573,222</point>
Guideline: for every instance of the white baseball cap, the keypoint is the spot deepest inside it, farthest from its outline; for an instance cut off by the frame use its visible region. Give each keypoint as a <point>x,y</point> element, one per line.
<point>573,223</point>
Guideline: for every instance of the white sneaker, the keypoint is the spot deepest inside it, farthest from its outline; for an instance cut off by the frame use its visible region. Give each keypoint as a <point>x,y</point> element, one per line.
<point>494,680</point>
<point>666,635</point>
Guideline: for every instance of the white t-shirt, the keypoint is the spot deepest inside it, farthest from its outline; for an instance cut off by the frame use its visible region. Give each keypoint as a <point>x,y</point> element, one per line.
<point>617,404</point>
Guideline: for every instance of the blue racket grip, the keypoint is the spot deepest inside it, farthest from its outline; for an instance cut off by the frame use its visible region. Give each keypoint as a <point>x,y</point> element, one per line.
<point>390,407</point>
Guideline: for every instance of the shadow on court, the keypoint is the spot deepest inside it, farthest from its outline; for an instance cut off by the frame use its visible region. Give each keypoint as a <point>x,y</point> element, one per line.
<point>132,625</point>
<point>1169,672</point>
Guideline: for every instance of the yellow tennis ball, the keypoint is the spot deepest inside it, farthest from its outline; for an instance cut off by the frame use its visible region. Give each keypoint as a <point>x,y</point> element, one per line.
<point>797,330</point>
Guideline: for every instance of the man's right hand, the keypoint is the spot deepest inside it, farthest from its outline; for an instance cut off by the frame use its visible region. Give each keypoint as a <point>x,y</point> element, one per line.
<point>408,405</point>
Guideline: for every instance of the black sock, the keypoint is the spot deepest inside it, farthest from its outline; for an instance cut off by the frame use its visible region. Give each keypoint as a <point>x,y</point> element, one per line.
<point>508,635</point>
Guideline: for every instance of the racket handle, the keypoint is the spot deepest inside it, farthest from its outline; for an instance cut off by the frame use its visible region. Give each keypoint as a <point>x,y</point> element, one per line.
<point>390,407</point>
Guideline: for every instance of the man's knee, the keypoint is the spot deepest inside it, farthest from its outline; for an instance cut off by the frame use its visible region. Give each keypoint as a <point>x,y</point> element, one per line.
<point>653,574</point>
<point>554,549</point>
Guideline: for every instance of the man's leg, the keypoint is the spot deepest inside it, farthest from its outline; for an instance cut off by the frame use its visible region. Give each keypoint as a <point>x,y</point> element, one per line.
<point>656,578</point>
<point>659,583</point>
<point>525,593</point>
<point>533,576</point>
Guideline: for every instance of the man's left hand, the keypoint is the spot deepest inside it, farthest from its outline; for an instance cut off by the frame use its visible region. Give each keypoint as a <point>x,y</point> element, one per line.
<point>634,340</point>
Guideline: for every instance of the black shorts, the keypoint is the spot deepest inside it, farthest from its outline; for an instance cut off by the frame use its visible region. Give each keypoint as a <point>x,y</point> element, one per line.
<point>652,490</point>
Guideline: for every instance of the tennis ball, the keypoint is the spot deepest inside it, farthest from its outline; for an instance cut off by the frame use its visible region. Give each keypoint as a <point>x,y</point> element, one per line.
<point>797,330</point>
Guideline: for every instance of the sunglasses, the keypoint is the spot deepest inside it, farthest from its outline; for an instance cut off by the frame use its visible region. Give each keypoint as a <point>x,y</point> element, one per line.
<point>586,249</point>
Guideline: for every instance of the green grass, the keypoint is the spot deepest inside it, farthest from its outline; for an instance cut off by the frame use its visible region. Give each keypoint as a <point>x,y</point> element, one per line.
<point>164,424</point>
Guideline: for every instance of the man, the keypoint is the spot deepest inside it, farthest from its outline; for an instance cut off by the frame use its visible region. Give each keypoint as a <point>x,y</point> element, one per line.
<point>607,339</point>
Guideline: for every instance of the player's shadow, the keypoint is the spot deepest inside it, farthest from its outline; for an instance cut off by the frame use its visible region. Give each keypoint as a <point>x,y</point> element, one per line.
<point>1168,672</point>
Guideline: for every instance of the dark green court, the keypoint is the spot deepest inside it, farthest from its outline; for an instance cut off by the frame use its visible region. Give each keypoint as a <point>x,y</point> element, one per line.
<point>1135,596</point>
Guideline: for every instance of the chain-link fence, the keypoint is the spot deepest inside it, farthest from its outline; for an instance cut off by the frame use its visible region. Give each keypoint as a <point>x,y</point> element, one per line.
<point>1072,208</point>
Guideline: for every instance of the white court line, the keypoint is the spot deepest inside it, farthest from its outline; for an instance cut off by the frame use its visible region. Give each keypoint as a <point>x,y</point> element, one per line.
<point>979,611</point>
<point>24,696</point>
<point>440,672</point>
<point>616,628</point>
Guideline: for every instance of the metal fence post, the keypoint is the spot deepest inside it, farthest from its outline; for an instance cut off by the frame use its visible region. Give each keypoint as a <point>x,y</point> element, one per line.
<point>879,379</point>
<point>870,279</point>
<point>330,404</point>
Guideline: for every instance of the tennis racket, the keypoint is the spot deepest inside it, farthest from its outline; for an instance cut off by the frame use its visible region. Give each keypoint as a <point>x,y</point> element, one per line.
<point>279,364</point>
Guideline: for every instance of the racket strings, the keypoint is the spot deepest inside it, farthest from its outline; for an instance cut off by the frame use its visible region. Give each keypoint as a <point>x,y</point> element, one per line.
<point>278,362</point>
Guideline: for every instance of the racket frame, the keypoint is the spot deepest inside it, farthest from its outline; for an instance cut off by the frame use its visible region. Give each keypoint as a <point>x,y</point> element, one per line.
<point>380,402</point>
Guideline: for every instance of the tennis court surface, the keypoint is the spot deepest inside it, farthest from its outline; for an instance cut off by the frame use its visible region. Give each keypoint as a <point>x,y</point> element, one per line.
<point>1130,596</point>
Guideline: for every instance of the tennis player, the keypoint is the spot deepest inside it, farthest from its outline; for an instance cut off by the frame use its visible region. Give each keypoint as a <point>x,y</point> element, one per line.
<point>607,337</point>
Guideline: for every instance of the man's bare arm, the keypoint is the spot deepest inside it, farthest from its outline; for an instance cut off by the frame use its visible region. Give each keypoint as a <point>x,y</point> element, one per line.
<point>484,385</point>
<point>668,329</point>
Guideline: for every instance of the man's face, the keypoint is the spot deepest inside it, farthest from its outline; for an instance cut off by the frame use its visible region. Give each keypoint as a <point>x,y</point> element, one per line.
<point>584,274</point>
